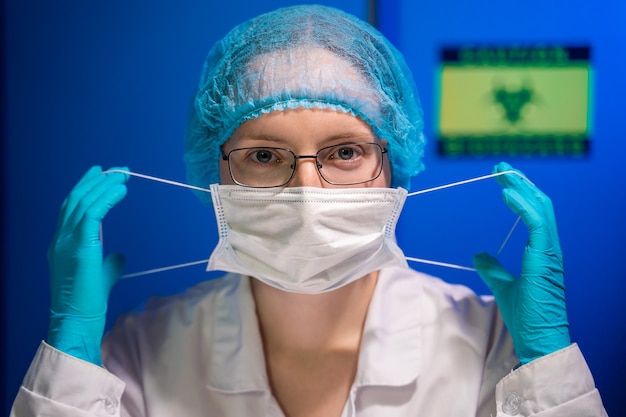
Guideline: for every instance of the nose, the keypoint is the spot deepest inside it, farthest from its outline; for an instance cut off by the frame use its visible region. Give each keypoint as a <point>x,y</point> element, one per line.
<point>306,174</point>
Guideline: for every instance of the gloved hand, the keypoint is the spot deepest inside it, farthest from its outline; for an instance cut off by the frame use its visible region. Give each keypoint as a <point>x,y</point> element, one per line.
<point>533,304</point>
<point>79,277</point>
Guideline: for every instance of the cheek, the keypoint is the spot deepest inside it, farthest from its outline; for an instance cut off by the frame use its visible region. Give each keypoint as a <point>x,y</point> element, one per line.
<point>384,180</point>
<point>386,174</point>
<point>225,177</point>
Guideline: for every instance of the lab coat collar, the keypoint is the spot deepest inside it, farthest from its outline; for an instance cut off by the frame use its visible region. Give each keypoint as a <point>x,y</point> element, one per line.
<point>390,348</point>
<point>236,360</point>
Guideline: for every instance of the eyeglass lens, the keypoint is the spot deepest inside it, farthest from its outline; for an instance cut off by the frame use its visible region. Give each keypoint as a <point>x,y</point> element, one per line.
<point>344,164</point>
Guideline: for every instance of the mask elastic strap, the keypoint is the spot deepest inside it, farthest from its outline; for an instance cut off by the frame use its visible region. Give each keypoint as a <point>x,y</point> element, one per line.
<point>412,259</point>
<point>455,184</point>
<point>506,239</point>
<point>166,268</point>
<point>149,177</point>
<point>465,268</point>
<point>444,264</point>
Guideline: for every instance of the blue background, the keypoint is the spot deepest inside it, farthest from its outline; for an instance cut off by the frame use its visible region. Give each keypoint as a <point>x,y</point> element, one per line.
<point>109,83</point>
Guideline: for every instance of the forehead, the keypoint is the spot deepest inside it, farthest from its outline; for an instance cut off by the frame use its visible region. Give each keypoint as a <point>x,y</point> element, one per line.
<point>301,128</point>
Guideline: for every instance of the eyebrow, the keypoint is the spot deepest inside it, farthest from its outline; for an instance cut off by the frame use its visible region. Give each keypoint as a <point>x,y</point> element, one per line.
<point>269,138</point>
<point>329,139</point>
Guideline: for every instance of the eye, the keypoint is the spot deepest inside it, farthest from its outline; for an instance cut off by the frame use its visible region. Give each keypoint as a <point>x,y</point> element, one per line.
<point>344,152</point>
<point>262,156</point>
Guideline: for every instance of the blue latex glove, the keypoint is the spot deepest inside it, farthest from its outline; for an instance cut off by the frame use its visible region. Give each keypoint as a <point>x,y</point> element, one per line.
<point>80,278</point>
<point>533,304</point>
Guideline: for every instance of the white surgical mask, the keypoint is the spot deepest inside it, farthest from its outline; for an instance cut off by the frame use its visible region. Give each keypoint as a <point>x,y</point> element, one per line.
<point>388,254</point>
<point>306,239</point>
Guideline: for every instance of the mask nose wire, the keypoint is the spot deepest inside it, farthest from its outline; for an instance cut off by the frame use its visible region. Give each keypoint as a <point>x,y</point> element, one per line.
<point>419,260</point>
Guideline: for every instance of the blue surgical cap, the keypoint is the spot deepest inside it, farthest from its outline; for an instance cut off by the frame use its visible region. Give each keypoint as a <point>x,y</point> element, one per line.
<point>304,57</point>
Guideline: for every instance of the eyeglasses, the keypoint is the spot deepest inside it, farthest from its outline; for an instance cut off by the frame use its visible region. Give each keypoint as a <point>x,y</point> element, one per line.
<point>343,164</point>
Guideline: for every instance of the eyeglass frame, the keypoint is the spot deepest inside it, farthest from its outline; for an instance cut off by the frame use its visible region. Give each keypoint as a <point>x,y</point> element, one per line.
<point>318,166</point>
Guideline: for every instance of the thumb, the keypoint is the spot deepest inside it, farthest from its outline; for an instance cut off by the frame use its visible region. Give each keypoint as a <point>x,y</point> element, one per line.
<point>491,271</point>
<point>112,268</point>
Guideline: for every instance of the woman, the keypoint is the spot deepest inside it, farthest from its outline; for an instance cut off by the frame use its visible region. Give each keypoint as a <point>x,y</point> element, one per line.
<point>307,117</point>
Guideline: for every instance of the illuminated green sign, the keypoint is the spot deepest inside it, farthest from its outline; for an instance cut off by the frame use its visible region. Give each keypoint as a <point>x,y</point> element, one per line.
<point>515,101</point>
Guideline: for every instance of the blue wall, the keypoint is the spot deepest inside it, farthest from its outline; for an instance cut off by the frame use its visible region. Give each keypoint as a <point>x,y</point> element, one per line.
<point>109,84</point>
<point>104,83</point>
<point>588,194</point>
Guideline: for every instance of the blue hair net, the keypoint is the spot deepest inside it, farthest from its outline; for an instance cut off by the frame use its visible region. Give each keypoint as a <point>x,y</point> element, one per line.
<point>304,57</point>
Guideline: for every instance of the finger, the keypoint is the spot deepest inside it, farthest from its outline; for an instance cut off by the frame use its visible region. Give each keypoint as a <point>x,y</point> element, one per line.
<point>529,191</point>
<point>514,179</point>
<point>531,204</point>
<point>537,214</point>
<point>88,228</point>
<point>68,203</point>
<point>63,229</point>
<point>492,272</point>
<point>83,197</point>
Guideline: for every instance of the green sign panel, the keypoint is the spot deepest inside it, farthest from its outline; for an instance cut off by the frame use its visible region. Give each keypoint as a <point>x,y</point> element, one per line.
<point>515,101</point>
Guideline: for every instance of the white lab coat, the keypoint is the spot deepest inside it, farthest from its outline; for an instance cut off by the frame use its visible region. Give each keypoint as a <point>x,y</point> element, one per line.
<point>428,349</point>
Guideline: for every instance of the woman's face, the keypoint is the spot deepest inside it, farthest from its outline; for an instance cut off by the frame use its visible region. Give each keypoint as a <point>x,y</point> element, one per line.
<point>304,132</point>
